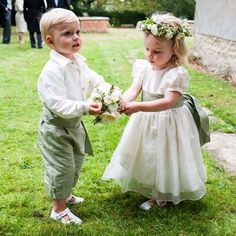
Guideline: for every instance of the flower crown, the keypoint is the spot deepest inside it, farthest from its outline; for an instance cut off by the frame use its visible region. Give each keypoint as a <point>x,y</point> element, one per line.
<point>164,30</point>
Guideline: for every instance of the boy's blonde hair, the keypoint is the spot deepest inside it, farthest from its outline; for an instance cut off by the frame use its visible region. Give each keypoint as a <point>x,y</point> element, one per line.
<point>55,17</point>
<point>169,27</point>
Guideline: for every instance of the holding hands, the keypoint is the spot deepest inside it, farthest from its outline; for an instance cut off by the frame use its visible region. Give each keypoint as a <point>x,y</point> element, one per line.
<point>128,107</point>
<point>127,100</point>
<point>131,107</point>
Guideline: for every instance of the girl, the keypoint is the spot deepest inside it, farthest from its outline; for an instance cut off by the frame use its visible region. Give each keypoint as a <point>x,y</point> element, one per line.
<point>159,154</point>
<point>21,26</point>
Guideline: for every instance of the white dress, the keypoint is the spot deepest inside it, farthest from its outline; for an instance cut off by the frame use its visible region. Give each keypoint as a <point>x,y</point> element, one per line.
<point>159,154</point>
<point>20,20</point>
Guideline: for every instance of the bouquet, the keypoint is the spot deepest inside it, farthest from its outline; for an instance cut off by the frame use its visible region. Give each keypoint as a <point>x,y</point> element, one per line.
<point>109,97</point>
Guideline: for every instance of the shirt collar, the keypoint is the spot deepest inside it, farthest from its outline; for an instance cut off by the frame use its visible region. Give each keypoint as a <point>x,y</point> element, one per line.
<point>63,61</point>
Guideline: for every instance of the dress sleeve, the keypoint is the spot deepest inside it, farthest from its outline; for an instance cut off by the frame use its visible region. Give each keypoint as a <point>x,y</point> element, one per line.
<point>176,79</point>
<point>138,71</point>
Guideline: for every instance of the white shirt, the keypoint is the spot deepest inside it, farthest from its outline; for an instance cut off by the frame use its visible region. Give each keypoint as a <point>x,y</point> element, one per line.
<point>9,4</point>
<point>64,85</point>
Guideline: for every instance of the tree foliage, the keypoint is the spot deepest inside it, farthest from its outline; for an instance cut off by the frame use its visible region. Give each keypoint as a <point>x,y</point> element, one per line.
<point>180,8</point>
<point>144,6</point>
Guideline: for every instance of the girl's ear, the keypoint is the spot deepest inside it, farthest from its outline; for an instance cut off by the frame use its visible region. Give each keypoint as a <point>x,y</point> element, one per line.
<point>49,41</point>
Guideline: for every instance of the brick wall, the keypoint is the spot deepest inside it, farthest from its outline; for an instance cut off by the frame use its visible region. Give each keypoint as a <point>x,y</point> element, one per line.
<point>94,24</point>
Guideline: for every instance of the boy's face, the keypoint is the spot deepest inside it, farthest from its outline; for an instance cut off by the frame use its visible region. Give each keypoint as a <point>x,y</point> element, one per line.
<point>65,39</point>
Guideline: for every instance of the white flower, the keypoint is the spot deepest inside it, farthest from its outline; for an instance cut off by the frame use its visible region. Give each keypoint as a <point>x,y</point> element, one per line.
<point>142,27</point>
<point>149,26</point>
<point>109,97</point>
<point>105,87</point>
<point>159,28</point>
<point>154,29</point>
<point>169,34</point>
<point>116,93</point>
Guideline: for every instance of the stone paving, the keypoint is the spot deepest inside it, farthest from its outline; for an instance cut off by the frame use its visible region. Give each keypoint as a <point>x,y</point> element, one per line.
<point>223,148</point>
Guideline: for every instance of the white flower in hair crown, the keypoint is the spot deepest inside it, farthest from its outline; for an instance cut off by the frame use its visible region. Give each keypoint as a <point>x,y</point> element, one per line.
<point>164,30</point>
<point>109,97</point>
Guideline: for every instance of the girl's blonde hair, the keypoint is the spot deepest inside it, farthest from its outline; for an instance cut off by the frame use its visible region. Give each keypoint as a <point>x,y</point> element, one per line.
<point>55,17</point>
<point>172,28</point>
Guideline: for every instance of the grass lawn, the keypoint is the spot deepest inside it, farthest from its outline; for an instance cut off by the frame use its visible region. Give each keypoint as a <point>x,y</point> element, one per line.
<point>24,205</point>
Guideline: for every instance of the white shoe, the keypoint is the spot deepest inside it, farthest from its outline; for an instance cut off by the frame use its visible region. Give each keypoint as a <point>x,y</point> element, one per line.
<point>148,205</point>
<point>76,200</point>
<point>62,217</point>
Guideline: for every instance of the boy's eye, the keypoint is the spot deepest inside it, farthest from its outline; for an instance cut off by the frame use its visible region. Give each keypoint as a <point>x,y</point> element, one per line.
<point>157,52</point>
<point>78,32</point>
<point>67,33</point>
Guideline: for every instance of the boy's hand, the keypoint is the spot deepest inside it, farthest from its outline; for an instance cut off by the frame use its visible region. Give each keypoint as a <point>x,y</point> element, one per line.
<point>95,108</point>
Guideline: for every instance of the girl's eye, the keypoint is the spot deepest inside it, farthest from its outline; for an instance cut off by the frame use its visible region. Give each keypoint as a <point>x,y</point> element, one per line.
<point>157,52</point>
<point>78,32</point>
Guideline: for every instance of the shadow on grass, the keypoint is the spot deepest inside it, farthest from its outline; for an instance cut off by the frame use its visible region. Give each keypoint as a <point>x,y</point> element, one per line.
<point>121,212</point>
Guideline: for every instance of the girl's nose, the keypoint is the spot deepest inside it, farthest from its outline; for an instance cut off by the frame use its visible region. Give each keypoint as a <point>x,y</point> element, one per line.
<point>149,54</point>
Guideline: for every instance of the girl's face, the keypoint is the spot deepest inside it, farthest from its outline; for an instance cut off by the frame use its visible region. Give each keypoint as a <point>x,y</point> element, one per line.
<point>158,51</point>
<point>65,39</point>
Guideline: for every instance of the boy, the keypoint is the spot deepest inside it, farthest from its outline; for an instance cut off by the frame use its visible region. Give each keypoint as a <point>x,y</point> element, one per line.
<point>63,86</point>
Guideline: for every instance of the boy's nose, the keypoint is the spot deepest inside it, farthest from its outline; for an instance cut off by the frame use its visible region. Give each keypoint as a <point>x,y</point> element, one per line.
<point>75,36</point>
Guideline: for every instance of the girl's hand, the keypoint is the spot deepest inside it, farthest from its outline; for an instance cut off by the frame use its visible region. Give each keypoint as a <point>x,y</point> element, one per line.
<point>122,105</point>
<point>132,107</point>
<point>95,108</point>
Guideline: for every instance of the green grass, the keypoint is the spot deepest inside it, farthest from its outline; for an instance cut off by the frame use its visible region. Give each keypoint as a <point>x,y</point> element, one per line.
<point>24,206</point>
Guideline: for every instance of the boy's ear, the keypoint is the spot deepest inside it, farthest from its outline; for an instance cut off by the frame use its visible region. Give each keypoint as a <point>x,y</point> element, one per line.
<point>49,41</point>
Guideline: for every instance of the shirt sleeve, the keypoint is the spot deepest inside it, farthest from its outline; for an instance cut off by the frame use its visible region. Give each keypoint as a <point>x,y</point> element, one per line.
<point>53,93</point>
<point>94,79</point>
<point>176,79</point>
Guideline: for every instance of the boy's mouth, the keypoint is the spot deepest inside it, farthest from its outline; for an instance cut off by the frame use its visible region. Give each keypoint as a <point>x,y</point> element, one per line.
<point>76,45</point>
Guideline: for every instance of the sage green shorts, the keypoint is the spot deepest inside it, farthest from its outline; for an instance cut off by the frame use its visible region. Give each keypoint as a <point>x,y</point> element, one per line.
<point>62,151</point>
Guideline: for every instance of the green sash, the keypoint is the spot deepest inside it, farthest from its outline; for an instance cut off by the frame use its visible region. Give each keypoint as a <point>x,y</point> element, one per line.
<point>51,118</point>
<point>199,115</point>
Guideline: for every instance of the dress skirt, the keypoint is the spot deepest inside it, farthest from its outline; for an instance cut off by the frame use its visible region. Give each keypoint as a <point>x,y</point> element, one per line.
<point>159,156</point>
